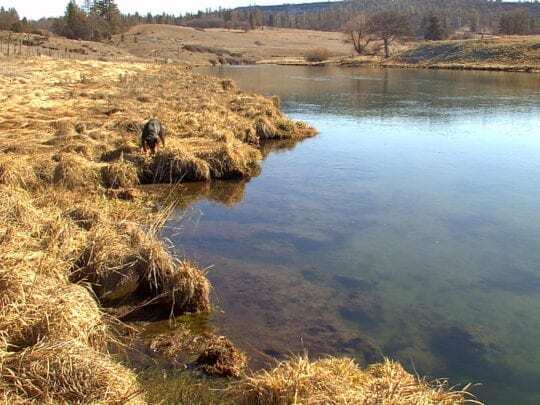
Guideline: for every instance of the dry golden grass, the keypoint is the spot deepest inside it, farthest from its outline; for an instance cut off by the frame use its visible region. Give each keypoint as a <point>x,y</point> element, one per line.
<point>172,166</point>
<point>214,46</point>
<point>340,381</point>
<point>68,372</point>
<point>127,264</point>
<point>57,46</point>
<point>44,309</point>
<point>17,171</point>
<point>120,174</point>
<point>75,172</point>
<point>500,53</point>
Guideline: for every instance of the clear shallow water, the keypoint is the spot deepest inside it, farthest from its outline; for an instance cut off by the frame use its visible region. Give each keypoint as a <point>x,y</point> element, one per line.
<point>409,227</point>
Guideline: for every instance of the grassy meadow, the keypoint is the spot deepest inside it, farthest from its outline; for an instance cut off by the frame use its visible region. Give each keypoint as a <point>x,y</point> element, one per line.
<point>501,53</point>
<point>206,47</point>
<point>78,245</point>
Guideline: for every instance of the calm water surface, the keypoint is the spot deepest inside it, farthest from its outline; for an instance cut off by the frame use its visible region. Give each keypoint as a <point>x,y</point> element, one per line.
<point>409,227</point>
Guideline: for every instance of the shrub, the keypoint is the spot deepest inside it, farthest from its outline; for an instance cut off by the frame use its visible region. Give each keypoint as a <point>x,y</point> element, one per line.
<point>318,55</point>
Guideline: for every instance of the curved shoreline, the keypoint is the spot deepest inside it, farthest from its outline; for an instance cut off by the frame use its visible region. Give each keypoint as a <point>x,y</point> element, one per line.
<point>79,234</point>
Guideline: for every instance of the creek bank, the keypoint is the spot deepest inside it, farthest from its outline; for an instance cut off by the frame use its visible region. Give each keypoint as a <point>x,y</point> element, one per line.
<point>72,249</point>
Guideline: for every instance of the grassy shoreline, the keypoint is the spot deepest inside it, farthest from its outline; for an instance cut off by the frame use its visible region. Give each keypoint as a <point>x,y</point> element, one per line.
<point>506,54</point>
<point>369,62</point>
<point>214,47</point>
<point>79,245</point>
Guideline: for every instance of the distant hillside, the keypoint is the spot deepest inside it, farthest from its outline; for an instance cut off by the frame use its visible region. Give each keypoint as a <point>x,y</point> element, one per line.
<point>294,9</point>
<point>483,15</point>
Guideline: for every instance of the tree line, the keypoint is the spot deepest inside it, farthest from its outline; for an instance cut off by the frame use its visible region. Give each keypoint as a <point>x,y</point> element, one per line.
<point>386,26</point>
<point>95,20</point>
<point>475,15</point>
<point>10,21</point>
<point>361,19</point>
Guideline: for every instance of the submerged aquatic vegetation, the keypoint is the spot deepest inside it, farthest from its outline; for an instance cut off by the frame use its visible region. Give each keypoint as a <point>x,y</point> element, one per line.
<point>214,355</point>
<point>221,358</point>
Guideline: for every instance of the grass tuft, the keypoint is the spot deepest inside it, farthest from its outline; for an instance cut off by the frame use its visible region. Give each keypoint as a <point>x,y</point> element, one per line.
<point>120,174</point>
<point>67,372</point>
<point>340,381</point>
<point>74,172</point>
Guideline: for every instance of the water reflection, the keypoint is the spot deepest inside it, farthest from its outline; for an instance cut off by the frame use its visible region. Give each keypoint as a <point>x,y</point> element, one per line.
<point>407,228</point>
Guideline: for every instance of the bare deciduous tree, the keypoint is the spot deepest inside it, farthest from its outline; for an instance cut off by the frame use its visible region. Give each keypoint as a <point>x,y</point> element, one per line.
<point>388,26</point>
<point>358,30</point>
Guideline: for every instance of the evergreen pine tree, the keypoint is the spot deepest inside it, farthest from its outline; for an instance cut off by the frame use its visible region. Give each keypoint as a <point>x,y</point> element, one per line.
<point>434,30</point>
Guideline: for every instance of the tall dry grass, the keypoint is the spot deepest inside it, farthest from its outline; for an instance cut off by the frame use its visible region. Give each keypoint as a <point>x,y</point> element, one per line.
<point>340,381</point>
<point>67,245</point>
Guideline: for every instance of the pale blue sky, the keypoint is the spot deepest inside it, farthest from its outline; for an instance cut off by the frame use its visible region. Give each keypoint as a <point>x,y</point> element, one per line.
<point>51,8</point>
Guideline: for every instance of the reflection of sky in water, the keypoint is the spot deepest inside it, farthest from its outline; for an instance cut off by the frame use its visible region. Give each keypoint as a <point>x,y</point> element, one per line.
<point>409,226</point>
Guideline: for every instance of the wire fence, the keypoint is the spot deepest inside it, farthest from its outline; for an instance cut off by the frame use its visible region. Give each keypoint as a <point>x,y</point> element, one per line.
<point>25,48</point>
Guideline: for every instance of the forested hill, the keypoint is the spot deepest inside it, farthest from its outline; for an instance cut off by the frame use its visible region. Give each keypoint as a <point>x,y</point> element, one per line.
<point>101,19</point>
<point>482,15</point>
<point>295,9</point>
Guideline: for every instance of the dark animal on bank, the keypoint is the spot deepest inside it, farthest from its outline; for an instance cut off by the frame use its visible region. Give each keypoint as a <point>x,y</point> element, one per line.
<point>153,134</point>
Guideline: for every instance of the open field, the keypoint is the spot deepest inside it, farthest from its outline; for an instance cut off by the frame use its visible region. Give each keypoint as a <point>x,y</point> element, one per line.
<point>185,45</point>
<point>213,46</point>
<point>78,242</point>
<point>195,47</point>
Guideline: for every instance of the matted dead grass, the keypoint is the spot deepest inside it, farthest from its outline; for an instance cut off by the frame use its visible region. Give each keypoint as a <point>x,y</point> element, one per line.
<point>76,172</point>
<point>45,309</point>
<point>125,264</point>
<point>67,372</point>
<point>341,381</point>
<point>120,174</point>
<point>214,355</point>
<point>17,171</point>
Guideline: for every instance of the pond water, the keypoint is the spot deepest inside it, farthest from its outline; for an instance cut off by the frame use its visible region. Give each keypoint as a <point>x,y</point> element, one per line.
<point>409,227</point>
